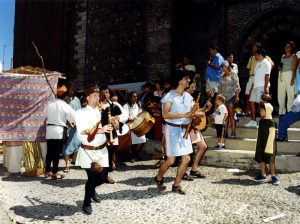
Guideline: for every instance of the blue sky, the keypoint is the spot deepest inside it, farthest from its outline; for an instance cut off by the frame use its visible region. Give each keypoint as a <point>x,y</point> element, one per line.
<point>7,17</point>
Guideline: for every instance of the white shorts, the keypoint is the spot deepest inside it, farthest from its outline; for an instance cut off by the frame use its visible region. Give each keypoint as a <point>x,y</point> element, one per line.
<point>211,86</point>
<point>249,85</point>
<point>256,94</point>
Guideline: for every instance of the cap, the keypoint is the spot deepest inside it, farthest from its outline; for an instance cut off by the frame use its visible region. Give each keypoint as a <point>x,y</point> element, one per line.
<point>93,88</point>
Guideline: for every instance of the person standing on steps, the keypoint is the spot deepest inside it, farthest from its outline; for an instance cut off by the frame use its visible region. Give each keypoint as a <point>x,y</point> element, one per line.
<point>261,83</point>
<point>266,145</point>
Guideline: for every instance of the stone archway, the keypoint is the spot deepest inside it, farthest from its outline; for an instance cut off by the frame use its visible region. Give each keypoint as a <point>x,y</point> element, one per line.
<point>276,25</point>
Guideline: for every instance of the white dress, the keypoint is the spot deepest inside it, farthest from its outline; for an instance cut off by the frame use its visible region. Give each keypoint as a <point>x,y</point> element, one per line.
<point>133,112</point>
<point>176,145</point>
<point>86,118</point>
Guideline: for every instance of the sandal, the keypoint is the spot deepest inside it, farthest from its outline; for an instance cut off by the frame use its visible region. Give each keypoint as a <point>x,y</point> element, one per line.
<point>197,174</point>
<point>57,176</point>
<point>67,169</point>
<point>178,190</point>
<point>160,183</point>
<point>187,177</point>
<point>47,174</point>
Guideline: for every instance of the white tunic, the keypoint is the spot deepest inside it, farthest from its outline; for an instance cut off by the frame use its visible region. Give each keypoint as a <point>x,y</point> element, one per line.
<point>176,145</point>
<point>58,112</point>
<point>86,118</point>
<point>133,112</point>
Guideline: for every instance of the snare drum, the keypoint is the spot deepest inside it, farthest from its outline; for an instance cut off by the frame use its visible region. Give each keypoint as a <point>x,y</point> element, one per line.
<point>124,139</point>
<point>142,124</point>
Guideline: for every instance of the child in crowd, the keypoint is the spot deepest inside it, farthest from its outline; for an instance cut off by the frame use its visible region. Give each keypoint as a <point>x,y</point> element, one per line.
<point>221,114</point>
<point>266,146</point>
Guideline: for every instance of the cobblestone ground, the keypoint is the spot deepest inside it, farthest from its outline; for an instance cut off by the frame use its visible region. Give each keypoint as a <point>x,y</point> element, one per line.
<point>134,198</point>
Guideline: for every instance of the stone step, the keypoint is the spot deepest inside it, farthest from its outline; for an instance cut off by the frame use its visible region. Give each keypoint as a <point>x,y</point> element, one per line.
<point>241,132</point>
<point>245,120</point>
<point>290,147</point>
<point>243,159</point>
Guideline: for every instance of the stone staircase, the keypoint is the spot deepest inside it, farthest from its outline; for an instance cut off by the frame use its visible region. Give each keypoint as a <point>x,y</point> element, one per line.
<point>239,152</point>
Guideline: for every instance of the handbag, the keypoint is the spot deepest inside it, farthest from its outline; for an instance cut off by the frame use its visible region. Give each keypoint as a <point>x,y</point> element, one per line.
<point>95,167</point>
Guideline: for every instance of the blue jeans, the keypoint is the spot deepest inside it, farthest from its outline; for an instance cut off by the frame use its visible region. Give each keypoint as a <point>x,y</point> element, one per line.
<point>285,121</point>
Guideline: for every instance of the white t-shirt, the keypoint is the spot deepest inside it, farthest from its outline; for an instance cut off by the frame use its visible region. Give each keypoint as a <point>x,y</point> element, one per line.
<point>262,68</point>
<point>220,113</point>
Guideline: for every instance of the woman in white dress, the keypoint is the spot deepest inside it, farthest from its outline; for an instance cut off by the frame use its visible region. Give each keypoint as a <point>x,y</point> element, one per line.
<point>133,110</point>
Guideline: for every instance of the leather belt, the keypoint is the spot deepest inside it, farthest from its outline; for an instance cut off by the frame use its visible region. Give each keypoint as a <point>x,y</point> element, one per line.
<point>89,147</point>
<point>177,125</point>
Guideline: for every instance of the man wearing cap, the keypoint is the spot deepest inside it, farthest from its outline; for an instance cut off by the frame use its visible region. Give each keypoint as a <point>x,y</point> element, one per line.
<point>91,133</point>
<point>58,112</point>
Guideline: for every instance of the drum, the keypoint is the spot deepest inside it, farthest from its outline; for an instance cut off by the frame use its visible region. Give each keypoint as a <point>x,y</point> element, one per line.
<point>200,123</point>
<point>124,139</point>
<point>142,124</point>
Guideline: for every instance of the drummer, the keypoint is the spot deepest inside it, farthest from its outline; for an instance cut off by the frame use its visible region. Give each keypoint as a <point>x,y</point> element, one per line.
<point>134,109</point>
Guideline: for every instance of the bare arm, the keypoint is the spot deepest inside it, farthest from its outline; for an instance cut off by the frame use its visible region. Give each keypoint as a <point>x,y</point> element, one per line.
<point>294,68</point>
<point>267,78</point>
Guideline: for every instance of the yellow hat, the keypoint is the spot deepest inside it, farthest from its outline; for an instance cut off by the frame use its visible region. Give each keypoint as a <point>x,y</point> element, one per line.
<point>61,90</point>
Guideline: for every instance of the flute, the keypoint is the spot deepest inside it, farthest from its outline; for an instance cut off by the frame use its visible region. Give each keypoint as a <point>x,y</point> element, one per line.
<point>111,139</point>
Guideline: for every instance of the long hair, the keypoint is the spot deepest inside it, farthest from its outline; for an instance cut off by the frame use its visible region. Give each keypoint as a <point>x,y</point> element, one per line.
<point>129,98</point>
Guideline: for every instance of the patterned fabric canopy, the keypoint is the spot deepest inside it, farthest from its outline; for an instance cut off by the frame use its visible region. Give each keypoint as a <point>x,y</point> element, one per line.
<point>23,98</point>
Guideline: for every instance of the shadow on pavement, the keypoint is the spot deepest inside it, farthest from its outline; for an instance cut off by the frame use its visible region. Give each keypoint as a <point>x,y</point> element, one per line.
<point>294,189</point>
<point>143,181</point>
<point>149,193</point>
<point>243,182</point>
<point>18,178</point>
<point>122,167</point>
<point>47,211</point>
<point>64,182</point>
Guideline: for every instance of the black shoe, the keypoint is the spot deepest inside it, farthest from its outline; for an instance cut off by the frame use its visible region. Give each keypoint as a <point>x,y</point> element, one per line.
<point>281,139</point>
<point>87,209</point>
<point>132,160</point>
<point>96,198</point>
<point>187,177</point>
<point>109,180</point>
<point>197,174</point>
<point>178,190</point>
<point>217,147</point>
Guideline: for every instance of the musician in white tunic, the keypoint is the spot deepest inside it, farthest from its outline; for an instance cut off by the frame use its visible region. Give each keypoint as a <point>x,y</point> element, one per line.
<point>93,145</point>
<point>133,109</point>
<point>177,105</point>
